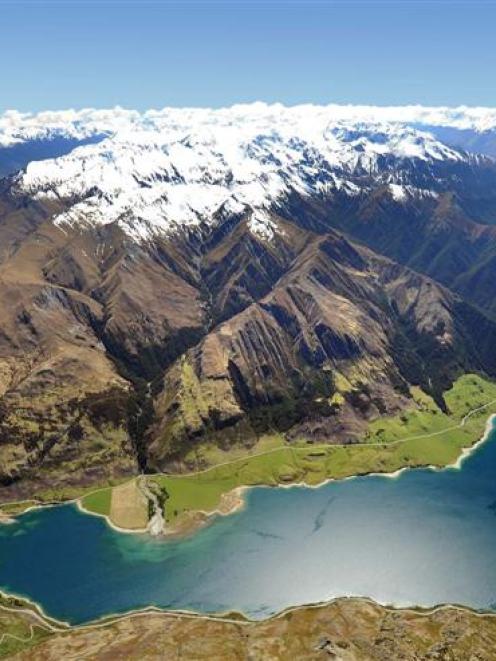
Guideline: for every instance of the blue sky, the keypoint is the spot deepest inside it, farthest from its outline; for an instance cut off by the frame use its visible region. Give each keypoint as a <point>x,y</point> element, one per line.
<point>78,53</point>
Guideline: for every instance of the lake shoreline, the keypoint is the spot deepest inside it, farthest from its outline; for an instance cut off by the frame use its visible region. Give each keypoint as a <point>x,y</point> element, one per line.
<point>206,518</point>
<point>238,502</point>
<point>305,622</point>
<point>232,616</point>
<point>198,519</point>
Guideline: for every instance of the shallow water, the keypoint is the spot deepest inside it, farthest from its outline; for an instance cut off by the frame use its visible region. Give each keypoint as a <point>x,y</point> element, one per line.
<point>423,538</point>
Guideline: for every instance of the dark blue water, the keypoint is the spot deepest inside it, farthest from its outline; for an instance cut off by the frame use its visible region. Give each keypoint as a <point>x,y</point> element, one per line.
<point>426,537</point>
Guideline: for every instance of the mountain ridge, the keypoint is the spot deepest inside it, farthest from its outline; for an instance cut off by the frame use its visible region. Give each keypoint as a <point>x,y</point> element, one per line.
<point>166,287</point>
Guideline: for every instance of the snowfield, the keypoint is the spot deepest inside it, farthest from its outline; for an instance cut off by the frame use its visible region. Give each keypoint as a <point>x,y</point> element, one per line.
<point>160,171</point>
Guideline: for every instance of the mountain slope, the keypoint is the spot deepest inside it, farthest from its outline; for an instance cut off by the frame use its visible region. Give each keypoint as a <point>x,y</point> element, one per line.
<point>362,170</point>
<point>197,276</point>
<point>341,314</point>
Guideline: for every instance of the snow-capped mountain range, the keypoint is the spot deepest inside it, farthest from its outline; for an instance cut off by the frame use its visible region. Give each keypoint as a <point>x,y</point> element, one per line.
<point>244,263</point>
<point>159,171</point>
<point>17,127</point>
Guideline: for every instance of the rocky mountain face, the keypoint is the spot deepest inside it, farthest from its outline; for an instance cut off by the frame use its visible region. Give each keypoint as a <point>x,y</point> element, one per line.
<point>217,275</point>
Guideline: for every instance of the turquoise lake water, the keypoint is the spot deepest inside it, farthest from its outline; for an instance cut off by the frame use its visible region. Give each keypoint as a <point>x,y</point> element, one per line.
<point>423,538</point>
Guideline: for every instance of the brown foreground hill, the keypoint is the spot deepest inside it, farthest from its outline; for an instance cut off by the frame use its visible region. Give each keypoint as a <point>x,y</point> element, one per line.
<point>344,630</point>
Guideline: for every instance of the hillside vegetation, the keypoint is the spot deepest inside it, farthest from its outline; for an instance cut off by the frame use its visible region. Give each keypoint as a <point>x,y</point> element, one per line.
<point>420,436</point>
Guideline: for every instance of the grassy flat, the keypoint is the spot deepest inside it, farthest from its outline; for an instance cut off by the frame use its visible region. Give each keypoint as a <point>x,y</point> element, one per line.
<point>128,506</point>
<point>420,436</point>
<point>99,501</point>
<point>469,392</point>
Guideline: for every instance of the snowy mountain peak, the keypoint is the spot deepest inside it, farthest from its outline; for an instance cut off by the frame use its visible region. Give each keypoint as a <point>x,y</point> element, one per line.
<point>17,127</point>
<point>163,170</point>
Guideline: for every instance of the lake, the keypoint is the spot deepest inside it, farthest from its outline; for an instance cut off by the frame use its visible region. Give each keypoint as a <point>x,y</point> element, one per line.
<point>423,538</point>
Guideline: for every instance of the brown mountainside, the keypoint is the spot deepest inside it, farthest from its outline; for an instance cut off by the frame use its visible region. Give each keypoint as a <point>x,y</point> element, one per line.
<point>117,355</point>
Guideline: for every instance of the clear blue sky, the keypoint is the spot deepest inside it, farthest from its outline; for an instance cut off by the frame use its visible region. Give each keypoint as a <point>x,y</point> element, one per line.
<point>142,54</point>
